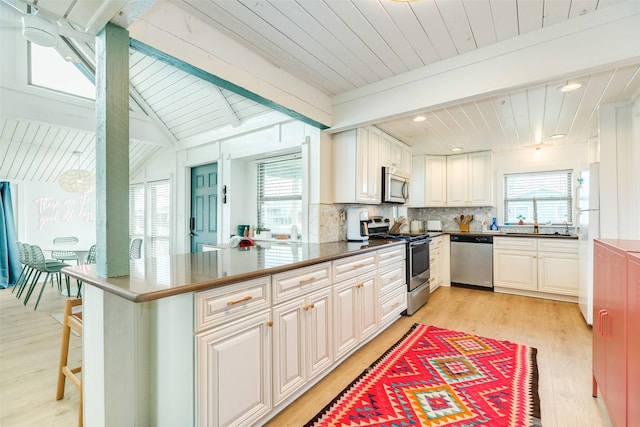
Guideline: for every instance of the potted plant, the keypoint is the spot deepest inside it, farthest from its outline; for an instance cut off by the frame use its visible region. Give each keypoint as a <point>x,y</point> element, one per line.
<point>263,232</point>
<point>521,218</point>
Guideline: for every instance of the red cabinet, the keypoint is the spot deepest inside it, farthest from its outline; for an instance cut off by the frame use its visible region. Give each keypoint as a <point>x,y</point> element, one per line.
<point>633,343</point>
<point>616,328</point>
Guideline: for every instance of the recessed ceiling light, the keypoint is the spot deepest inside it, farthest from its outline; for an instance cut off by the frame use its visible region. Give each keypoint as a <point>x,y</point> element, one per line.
<point>456,149</point>
<point>419,119</point>
<point>557,135</point>
<point>571,86</point>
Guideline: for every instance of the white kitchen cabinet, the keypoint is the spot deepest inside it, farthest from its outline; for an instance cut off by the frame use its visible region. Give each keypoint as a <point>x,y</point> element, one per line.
<point>234,372</point>
<point>558,266</point>
<point>469,179</point>
<point>429,181</point>
<point>355,301</point>
<point>435,263</point>
<point>395,153</point>
<point>545,267</point>
<point>358,170</point>
<point>302,341</point>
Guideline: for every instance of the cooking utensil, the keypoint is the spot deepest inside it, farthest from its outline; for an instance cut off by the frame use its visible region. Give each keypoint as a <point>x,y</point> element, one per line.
<point>468,219</point>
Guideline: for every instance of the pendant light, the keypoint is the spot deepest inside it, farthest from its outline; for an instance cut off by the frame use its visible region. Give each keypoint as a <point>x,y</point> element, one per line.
<point>77,180</point>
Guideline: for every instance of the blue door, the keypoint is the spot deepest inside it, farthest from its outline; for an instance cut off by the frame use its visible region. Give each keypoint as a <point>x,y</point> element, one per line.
<point>203,223</point>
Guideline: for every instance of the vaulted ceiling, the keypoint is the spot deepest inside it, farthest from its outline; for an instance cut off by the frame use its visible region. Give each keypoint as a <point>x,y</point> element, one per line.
<point>336,46</point>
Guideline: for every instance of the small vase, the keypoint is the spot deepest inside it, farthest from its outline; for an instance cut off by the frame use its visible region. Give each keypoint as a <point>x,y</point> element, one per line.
<point>494,224</point>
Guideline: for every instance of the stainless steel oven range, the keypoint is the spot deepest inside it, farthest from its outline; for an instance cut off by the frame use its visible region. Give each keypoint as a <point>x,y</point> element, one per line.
<point>417,267</point>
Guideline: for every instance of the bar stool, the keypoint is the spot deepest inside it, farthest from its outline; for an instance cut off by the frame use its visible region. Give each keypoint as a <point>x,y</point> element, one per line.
<point>71,321</point>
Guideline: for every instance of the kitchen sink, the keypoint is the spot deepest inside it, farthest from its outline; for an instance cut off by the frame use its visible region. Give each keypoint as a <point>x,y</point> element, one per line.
<point>558,235</point>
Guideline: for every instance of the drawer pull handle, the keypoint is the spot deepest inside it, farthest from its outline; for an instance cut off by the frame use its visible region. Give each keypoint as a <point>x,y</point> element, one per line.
<point>395,305</point>
<point>247,298</point>
<point>358,266</point>
<point>307,281</point>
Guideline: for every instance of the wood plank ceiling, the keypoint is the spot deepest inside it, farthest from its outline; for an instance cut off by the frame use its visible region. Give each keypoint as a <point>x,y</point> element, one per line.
<point>337,46</point>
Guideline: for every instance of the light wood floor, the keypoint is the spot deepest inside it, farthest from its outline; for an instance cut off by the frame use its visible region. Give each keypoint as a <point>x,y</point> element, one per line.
<point>30,346</point>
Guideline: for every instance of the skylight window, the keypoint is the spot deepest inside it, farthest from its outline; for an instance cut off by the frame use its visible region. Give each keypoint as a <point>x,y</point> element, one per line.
<point>50,70</point>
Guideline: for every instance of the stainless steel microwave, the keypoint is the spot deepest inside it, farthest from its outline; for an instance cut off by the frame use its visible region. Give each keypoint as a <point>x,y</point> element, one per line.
<point>395,185</point>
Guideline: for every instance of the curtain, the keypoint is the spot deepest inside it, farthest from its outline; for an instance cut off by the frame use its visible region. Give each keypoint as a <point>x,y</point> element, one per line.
<point>9,261</point>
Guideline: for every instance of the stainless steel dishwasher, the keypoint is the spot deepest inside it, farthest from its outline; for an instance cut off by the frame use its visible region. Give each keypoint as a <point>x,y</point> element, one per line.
<point>472,261</point>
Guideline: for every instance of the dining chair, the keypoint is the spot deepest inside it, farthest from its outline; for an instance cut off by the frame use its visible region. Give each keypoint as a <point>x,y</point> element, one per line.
<point>72,320</point>
<point>30,272</point>
<point>90,259</point>
<point>135,249</point>
<point>65,255</point>
<point>25,267</point>
<point>41,264</point>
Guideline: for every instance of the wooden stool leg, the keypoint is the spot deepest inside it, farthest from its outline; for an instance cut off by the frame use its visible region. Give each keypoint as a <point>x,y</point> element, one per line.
<point>64,351</point>
<point>80,421</point>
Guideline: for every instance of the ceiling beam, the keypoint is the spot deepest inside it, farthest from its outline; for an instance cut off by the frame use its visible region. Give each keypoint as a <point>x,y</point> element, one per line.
<point>22,105</point>
<point>178,34</point>
<point>576,47</point>
<point>139,99</point>
<point>231,115</point>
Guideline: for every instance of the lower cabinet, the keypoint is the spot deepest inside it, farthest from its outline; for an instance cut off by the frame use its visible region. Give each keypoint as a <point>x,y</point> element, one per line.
<point>255,352</point>
<point>234,372</point>
<point>355,302</point>
<point>543,265</point>
<point>302,342</point>
<point>633,332</point>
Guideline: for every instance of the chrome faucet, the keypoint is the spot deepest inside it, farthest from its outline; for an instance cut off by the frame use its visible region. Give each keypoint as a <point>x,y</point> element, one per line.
<point>566,226</point>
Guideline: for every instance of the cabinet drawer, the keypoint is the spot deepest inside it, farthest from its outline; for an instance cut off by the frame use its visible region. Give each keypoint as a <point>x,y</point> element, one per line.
<point>353,265</point>
<point>520,243</point>
<point>391,255</point>
<point>558,245</point>
<point>301,281</point>
<point>392,305</point>
<point>231,302</point>
<point>392,278</point>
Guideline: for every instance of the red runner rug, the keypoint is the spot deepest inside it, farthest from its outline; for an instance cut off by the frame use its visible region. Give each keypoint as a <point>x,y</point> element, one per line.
<point>436,377</point>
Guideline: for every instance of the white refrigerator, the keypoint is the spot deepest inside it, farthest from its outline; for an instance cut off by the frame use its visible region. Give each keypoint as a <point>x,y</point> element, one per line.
<point>588,218</point>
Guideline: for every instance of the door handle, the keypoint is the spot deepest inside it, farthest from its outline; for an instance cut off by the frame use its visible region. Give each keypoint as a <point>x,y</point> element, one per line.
<point>192,226</point>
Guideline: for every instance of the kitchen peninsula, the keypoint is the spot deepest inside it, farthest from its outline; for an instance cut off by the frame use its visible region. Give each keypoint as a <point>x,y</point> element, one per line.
<point>230,336</point>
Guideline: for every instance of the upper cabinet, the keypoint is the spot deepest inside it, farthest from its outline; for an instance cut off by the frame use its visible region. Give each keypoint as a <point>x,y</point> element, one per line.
<point>469,179</point>
<point>429,181</point>
<point>394,153</point>
<point>359,155</point>
<point>458,180</point>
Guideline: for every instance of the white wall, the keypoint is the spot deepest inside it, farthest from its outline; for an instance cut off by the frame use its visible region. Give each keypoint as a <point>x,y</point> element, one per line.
<point>616,196</point>
<point>236,157</point>
<point>44,211</point>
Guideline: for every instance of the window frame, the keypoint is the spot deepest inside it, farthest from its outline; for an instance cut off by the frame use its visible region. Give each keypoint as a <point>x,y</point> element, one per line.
<point>564,176</point>
<point>149,237</point>
<point>531,167</point>
<point>299,222</point>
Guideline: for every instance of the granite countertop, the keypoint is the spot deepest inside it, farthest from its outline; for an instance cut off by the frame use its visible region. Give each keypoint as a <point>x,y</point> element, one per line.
<point>154,278</point>
<point>513,234</point>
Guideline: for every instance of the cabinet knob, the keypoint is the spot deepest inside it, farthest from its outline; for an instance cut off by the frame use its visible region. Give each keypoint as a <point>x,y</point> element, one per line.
<point>270,323</point>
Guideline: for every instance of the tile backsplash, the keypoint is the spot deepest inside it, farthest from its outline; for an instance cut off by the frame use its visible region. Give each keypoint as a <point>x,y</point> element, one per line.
<point>447,215</point>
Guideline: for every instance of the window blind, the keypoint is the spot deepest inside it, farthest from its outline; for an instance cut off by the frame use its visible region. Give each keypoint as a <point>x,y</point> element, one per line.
<point>552,192</point>
<point>280,195</point>
<point>159,214</point>
<point>150,216</point>
<point>136,211</point>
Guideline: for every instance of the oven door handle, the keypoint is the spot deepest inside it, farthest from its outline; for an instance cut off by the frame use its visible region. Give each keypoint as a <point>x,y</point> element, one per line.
<point>421,242</point>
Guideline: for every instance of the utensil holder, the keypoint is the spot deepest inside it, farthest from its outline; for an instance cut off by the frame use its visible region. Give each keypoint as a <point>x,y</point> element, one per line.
<point>464,228</point>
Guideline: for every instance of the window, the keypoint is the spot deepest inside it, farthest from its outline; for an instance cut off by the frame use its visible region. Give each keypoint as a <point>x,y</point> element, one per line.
<point>48,69</point>
<point>552,193</point>
<point>280,194</point>
<point>149,216</point>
